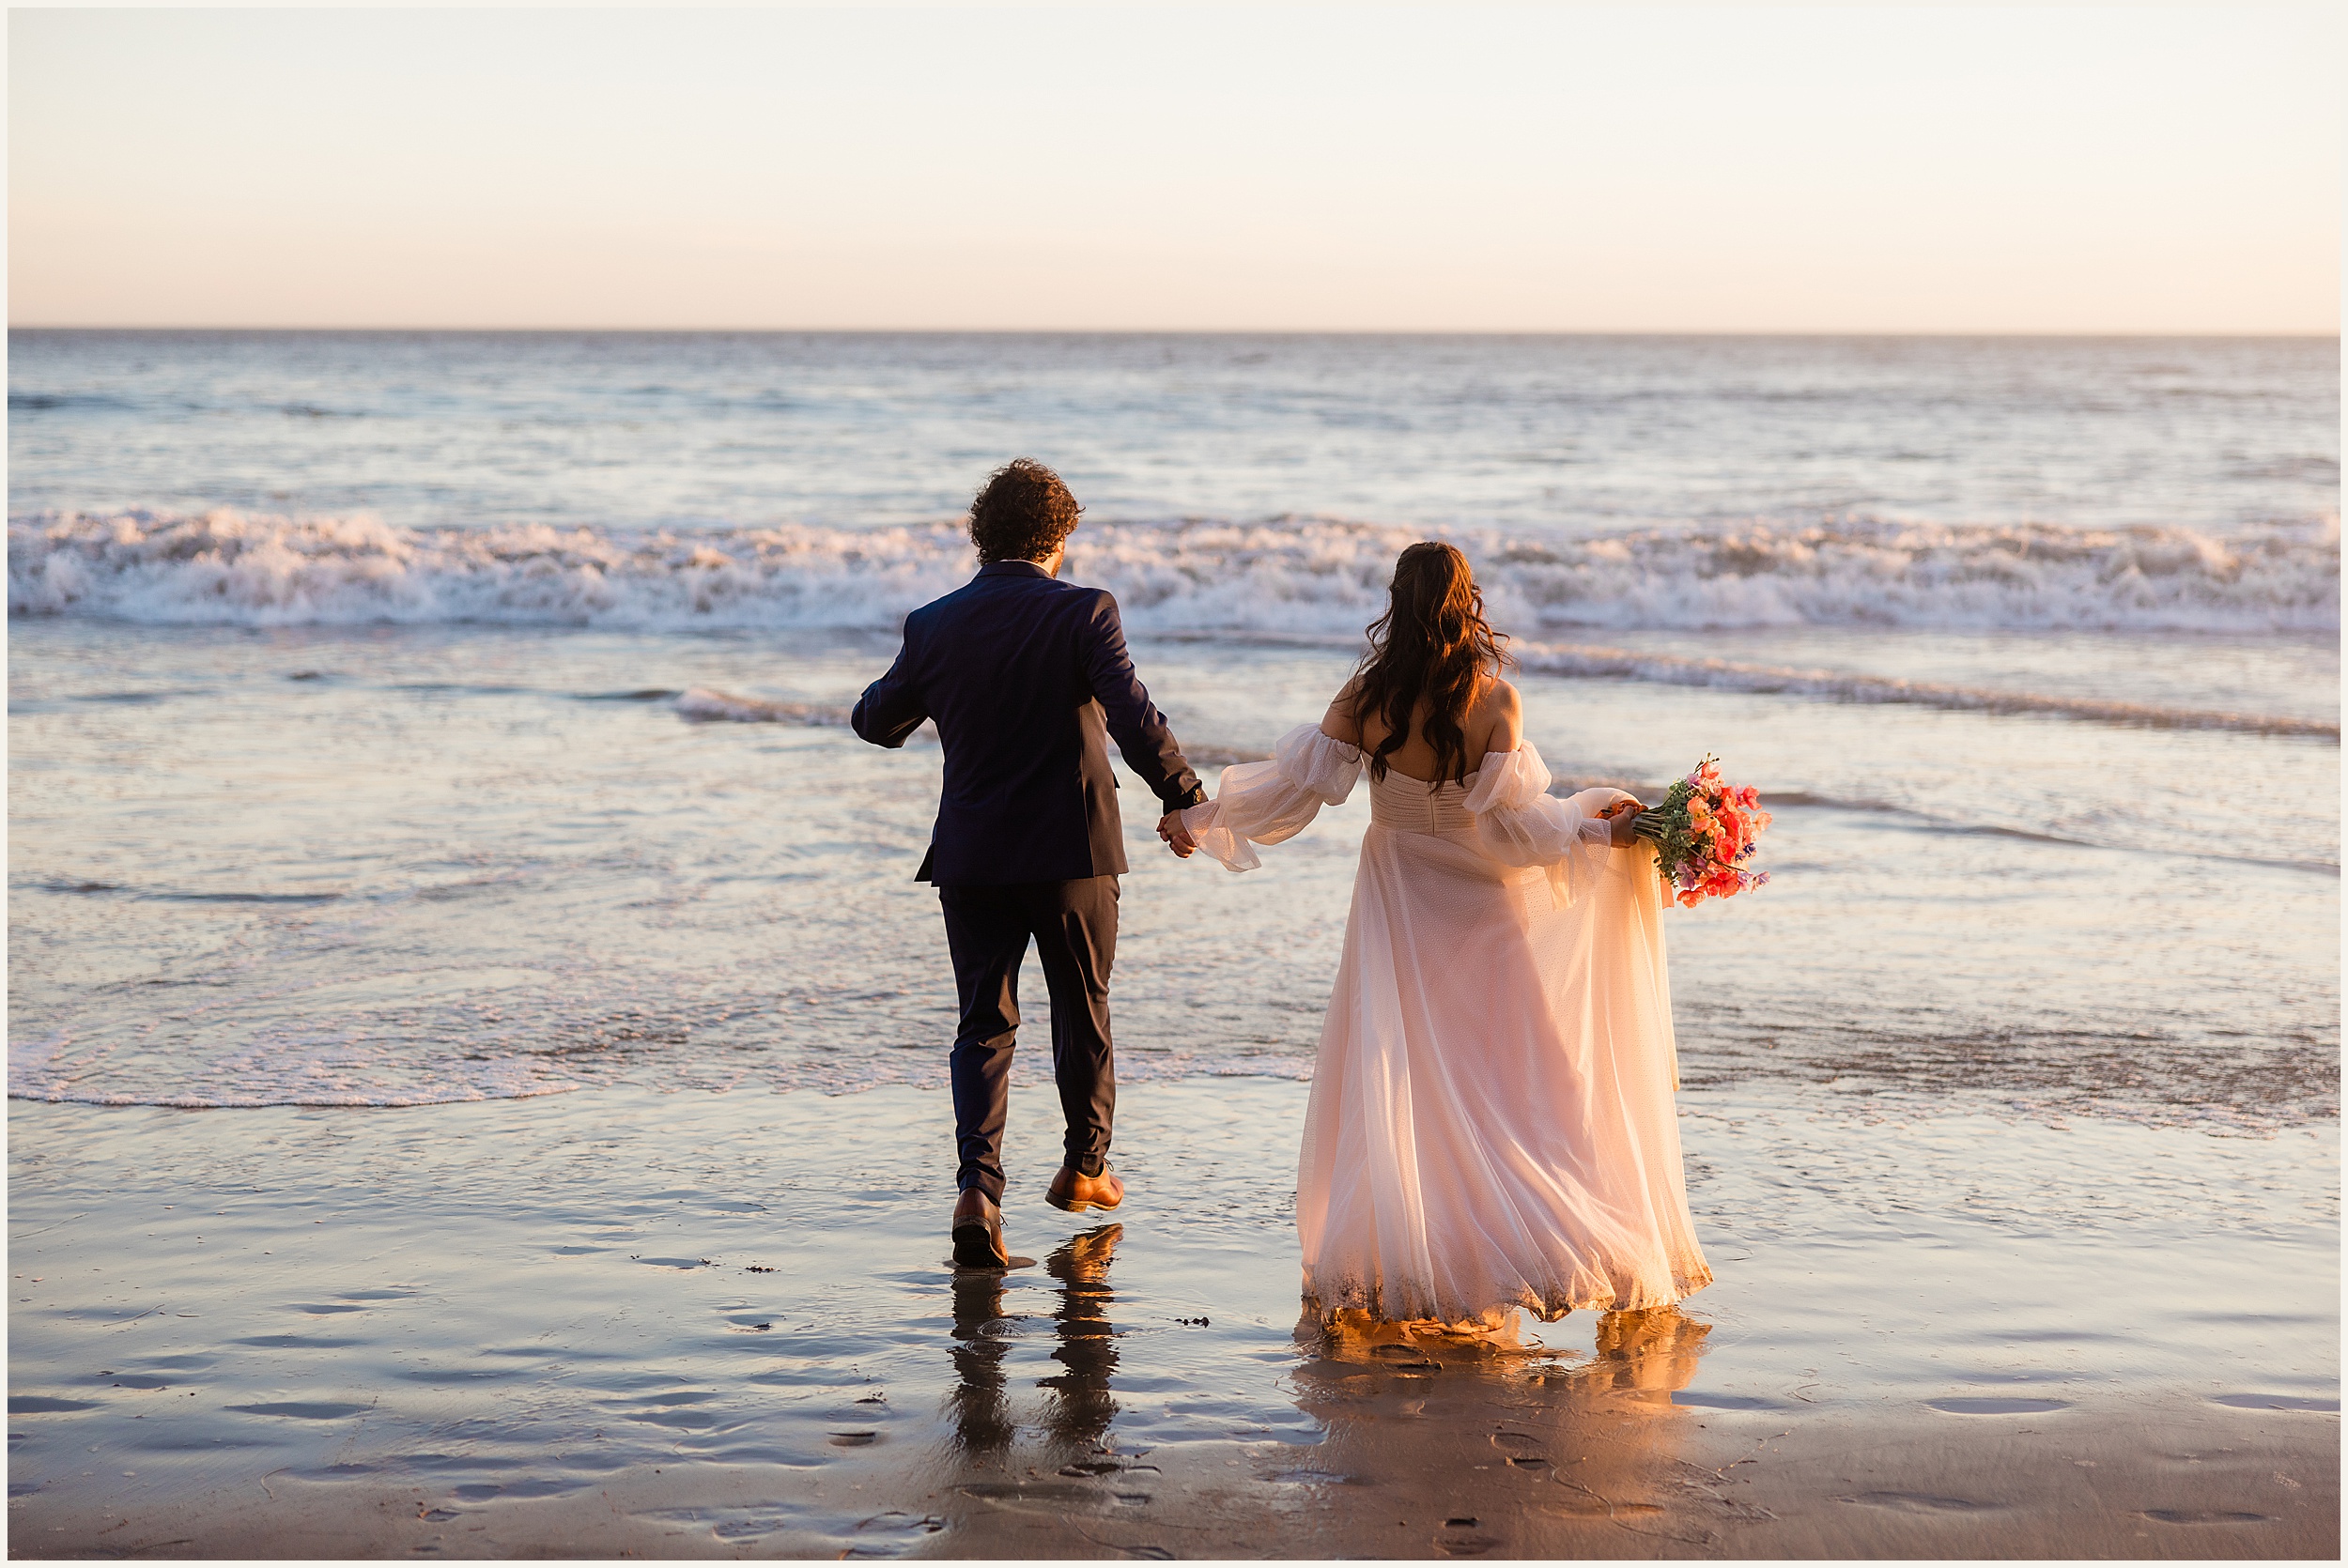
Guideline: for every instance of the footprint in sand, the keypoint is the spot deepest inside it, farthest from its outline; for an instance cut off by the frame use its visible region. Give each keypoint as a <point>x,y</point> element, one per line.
<point>1523,1450</point>
<point>1919,1502</point>
<point>1460,1537</point>
<point>1998,1407</point>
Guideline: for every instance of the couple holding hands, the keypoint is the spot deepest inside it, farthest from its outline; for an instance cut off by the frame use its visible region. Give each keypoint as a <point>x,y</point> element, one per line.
<point>1491,1123</point>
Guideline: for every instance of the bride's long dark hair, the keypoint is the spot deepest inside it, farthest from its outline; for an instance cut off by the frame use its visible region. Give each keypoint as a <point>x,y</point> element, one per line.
<point>1433,644</point>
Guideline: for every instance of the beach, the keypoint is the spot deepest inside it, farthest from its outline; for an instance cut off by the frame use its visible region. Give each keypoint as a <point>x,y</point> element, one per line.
<point>477,1048</point>
<point>616,1322</point>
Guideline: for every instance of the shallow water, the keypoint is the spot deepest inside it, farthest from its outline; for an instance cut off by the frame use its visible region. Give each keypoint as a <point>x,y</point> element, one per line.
<point>510,1299</point>
<point>409,865</point>
<point>435,837</point>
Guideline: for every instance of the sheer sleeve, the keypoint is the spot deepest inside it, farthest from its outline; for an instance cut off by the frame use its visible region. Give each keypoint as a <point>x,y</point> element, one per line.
<point>1519,823</point>
<point>1263,803</point>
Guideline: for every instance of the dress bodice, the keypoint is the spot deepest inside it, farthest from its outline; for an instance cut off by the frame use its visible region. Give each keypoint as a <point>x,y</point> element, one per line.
<point>1407,805</point>
<point>1503,810</point>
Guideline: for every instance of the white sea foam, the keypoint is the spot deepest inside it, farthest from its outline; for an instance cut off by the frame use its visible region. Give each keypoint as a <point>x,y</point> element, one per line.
<point>1284,577</point>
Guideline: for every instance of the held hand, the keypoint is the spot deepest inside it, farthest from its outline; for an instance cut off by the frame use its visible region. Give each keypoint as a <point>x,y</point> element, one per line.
<point>1176,836</point>
<point>1623,818</point>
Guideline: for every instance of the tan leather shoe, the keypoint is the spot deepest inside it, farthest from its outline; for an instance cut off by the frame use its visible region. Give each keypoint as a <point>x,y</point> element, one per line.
<point>978,1232</point>
<point>1075,1193</point>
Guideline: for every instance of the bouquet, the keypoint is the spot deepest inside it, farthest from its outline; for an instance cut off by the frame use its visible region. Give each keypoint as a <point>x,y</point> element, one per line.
<point>1703,834</point>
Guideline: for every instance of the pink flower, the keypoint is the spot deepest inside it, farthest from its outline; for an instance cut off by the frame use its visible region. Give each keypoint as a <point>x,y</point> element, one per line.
<point>1717,823</point>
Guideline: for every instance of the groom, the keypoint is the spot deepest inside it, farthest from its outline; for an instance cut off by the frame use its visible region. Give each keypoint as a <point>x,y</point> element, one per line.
<point>1024,674</point>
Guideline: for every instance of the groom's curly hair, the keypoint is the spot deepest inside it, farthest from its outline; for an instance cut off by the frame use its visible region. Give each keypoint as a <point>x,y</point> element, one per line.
<point>1022,513</point>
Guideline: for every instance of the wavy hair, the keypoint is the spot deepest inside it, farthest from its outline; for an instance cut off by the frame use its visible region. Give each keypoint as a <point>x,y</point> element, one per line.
<point>1022,512</point>
<point>1432,644</point>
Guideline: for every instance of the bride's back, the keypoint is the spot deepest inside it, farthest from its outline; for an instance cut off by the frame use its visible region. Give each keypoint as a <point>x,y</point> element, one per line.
<point>1494,721</point>
<point>1432,673</point>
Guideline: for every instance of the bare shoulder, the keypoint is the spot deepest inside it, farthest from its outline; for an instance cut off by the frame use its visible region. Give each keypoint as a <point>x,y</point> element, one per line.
<point>1498,697</point>
<point>1338,723</point>
<point>1497,717</point>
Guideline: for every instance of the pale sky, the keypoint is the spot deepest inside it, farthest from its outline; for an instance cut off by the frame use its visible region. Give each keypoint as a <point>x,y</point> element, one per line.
<point>1511,169</point>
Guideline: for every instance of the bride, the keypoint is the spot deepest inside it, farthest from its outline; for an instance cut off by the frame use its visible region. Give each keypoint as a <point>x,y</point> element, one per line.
<point>1491,1123</point>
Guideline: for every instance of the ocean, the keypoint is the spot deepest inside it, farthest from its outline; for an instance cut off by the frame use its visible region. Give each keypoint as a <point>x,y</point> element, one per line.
<point>401,718</point>
<point>475,1040</point>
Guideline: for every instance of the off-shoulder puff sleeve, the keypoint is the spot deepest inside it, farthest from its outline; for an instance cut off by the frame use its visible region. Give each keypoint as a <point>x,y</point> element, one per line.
<point>1519,823</point>
<point>1263,803</point>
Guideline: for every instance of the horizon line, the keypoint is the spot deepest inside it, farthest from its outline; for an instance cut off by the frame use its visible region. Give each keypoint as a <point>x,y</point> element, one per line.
<point>2052,334</point>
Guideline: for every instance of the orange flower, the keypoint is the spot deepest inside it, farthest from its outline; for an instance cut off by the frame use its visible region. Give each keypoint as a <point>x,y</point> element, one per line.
<point>1717,823</point>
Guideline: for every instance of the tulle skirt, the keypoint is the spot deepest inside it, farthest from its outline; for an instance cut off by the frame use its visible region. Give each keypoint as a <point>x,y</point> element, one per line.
<point>1491,1123</point>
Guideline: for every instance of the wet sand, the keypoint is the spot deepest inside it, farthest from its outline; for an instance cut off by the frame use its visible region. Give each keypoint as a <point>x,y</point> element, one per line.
<point>618,1322</point>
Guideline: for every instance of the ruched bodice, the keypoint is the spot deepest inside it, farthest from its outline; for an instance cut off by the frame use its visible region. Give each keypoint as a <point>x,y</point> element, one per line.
<point>1408,806</point>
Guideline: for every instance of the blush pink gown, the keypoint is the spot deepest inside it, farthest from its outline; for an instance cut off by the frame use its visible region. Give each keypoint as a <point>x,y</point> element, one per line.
<point>1491,1123</point>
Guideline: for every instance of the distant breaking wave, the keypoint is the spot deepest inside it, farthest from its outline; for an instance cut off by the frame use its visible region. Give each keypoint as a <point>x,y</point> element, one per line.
<point>1842,687</point>
<point>703,705</point>
<point>1289,576</point>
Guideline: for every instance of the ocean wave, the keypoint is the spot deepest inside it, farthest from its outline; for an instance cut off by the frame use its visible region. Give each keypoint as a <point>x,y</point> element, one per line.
<point>704,705</point>
<point>1287,577</point>
<point>1843,687</point>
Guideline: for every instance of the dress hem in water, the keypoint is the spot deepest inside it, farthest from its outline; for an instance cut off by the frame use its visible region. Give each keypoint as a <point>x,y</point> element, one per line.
<point>1370,1299</point>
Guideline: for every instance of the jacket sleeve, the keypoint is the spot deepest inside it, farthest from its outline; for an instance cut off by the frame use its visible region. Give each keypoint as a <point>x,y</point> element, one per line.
<point>892,708</point>
<point>1134,721</point>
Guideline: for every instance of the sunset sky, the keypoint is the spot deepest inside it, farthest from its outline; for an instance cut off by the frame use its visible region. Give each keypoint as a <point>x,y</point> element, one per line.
<point>1743,169</point>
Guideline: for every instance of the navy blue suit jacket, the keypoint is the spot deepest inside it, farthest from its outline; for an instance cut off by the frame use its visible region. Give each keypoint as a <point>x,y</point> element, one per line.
<point>1024,674</point>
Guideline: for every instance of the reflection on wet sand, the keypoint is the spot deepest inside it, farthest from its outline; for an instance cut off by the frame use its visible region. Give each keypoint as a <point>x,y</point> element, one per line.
<point>1647,1352</point>
<point>1524,1451</point>
<point>982,1423</point>
<point>1005,1498</point>
<point>1082,1407</point>
<point>1459,1444</point>
<point>1075,1418</point>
